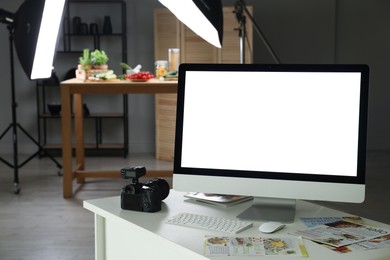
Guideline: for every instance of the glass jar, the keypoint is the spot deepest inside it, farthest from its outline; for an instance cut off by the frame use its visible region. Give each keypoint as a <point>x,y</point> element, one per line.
<point>161,68</point>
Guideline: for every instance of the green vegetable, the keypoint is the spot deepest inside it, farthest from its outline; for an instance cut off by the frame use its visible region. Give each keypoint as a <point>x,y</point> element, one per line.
<point>171,74</point>
<point>99,57</point>
<point>85,60</point>
<point>121,76</point>
<point>125,66</point>
<point>105,75</point>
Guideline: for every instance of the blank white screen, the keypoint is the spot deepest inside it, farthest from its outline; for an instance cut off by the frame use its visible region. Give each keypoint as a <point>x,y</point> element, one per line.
<point>297,122</point>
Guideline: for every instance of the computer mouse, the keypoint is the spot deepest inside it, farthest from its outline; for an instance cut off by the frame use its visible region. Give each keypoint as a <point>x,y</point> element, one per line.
<point>271,227</point>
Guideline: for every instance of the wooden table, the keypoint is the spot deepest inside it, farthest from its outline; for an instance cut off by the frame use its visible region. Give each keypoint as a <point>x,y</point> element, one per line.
<point>77,88</point>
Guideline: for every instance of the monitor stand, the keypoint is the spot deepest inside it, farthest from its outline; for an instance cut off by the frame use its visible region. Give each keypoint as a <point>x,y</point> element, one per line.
<point>270,209</point>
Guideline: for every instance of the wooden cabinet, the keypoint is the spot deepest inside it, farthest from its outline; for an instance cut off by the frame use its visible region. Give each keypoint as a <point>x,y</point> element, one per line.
<point>171,33</point>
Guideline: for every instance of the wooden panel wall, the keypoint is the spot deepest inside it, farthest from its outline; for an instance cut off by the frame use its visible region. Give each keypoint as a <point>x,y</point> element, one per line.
<point>171,33</point>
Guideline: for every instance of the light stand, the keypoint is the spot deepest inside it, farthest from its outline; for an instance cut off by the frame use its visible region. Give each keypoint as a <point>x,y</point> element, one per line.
<point>7,18</point>
<point>241,12</point>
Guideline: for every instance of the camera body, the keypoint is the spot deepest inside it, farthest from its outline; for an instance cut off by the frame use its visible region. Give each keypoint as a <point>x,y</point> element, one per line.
<point>145,197</point>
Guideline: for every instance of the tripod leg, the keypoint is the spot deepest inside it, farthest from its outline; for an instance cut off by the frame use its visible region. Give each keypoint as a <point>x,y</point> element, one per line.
<point>1,137</point>
<point>59,166</point>
<point>15,156</point>
<point>5,131</point>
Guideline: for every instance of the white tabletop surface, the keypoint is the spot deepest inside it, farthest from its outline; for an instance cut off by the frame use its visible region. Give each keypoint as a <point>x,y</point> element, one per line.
<point>192,238</point>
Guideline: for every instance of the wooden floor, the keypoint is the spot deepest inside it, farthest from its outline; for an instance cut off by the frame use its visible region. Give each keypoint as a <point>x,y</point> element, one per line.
<point>38,224</point>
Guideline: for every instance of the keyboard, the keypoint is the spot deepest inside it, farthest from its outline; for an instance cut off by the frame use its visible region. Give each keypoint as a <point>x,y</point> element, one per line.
<point>221,224</point>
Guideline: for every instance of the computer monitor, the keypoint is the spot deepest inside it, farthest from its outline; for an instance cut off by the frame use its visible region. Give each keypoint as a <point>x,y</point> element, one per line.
<point>275,132</point>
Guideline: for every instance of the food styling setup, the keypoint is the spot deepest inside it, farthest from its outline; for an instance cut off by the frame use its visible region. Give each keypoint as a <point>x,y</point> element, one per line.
<point>93,67</point>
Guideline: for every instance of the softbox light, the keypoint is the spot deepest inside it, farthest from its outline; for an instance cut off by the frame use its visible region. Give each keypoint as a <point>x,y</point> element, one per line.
<point>36,28</point>
<point>203,17</point>
<point>33,29</point>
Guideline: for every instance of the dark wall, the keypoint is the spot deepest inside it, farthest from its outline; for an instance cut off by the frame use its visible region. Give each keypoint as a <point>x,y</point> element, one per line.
<point>299,31</point>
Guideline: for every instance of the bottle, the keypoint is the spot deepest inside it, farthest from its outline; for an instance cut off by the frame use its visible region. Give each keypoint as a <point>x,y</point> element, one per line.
<point>174,59</point>
<point>107,26</point>
<point>76,22</point>
<point>93,29</point>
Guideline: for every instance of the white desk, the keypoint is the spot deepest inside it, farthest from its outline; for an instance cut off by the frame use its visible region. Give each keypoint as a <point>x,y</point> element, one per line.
<point>122,234</point>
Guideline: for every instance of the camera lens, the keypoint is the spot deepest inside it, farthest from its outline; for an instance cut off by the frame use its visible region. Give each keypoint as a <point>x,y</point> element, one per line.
<point>159,185</point>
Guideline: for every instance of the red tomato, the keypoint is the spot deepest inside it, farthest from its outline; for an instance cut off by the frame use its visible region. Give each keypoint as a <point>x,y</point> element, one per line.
<point>144,75</point>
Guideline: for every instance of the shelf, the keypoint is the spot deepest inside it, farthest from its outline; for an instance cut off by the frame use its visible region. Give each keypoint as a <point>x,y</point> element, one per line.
<point>92,115</point>
<point>90,150</point>
<point>70,35</point>
<point>87,146</point>
<point>95,37</point>
<point>72,45</point>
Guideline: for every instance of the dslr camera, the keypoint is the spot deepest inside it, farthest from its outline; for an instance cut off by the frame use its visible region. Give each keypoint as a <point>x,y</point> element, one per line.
<point>145,197</point>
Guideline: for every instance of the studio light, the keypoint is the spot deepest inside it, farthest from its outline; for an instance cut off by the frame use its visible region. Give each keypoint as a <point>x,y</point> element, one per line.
<point>33,29</point>
<point>36,30</point>
<point>203,17</point>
